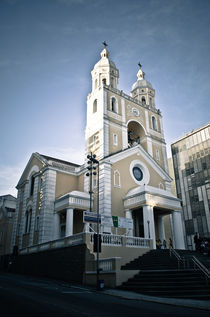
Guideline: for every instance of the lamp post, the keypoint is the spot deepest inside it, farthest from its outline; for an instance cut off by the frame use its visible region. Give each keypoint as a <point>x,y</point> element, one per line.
<point>91,161</point>
<point>148,222</point>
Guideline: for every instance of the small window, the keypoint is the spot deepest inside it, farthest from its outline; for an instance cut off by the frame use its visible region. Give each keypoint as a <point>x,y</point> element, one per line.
<point>157,155</point>
<point>95,106</point>
<point>116,178</point>
<point>154,123</point>
<point>28,220</point>
<point>112,82</point>
<point>37,223</point>
<point>161,186</point>
<point>32,185</point>
<point>150,101</point>
<point>104,81</point>
<point>143,100</point>
<point>115,139</point>
<point>94,139</point>
<point>113,105</point>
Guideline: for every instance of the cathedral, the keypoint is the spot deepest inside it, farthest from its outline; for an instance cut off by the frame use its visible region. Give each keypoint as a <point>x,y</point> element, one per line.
<point>130,187</point>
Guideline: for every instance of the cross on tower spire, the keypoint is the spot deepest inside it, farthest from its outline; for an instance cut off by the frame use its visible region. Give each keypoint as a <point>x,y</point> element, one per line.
<point>105,44</point>
<point>140,65</point>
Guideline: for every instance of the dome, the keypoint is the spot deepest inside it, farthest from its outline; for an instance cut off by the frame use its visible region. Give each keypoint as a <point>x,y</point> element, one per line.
<point>142,83</point>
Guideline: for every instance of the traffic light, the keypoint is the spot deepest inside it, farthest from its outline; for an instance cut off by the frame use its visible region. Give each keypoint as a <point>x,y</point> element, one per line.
<point>95,242</point>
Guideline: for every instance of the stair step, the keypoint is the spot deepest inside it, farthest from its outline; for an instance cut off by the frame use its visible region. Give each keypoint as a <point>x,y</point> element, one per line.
<point>160,276</point>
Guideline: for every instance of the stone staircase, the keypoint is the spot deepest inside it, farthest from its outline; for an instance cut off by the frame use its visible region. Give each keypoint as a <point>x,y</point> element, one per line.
<point>159,276</point>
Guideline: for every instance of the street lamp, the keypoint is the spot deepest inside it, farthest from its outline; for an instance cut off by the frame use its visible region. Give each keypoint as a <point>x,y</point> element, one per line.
<point>91,171</point>
<point>148,222</point>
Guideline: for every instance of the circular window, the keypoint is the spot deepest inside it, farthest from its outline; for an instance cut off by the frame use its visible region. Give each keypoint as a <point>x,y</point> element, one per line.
<point>138,174</point>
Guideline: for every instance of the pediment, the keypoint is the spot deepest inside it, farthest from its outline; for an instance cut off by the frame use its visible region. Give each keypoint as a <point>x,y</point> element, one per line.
<point>141,153</point>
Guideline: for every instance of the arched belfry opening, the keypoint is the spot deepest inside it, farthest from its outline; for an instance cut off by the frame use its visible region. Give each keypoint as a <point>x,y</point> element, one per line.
<point>135,133</point>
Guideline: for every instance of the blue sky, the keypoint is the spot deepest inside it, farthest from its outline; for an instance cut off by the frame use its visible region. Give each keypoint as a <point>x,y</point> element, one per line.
<point>49,47</point>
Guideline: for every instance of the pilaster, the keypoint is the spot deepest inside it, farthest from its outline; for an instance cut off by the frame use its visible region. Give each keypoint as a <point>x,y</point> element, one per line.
<point>47,209</point>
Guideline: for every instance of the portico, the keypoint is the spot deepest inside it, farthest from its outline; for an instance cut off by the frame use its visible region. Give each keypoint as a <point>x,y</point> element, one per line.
<point>147,206</point>
<point>68,214</point>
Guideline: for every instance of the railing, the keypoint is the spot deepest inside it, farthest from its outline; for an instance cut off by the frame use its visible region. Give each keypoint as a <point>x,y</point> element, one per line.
<point>109,239</point>
<point>79,238</point>
<point>59,243</point>
<point>199,266</point>
<point>135,242</point>
<point>107,265</point>
<point>117,240</point>
<point>178,257</point>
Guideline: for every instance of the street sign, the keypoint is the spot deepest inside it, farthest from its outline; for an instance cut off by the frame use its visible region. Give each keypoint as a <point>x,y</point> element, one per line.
<point>107,221</point>
<point>91,217</point>
<point>121,222</point>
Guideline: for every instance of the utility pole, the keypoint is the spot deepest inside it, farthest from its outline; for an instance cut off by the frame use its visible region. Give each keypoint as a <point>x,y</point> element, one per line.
<point>91,171</point>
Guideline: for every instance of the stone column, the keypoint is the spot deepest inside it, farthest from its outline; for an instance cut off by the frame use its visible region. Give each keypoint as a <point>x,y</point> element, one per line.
<point>178,230</point>
<point>69,221</point>
<point>161,229</point>
<point>56,231</point>
<point>128,215</point>
<point>149,225</point>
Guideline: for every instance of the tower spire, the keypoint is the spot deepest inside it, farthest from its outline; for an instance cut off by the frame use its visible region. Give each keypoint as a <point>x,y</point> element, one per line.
<point>140,74</point>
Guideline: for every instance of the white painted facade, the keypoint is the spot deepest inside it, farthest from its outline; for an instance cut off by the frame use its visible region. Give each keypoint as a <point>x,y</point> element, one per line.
<point>125,133</point>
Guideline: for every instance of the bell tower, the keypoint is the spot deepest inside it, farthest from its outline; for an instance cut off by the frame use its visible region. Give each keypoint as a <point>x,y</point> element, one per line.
<point>104,74</point>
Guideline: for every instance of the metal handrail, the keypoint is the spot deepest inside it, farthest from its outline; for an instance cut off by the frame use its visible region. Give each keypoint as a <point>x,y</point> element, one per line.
<point>179,258</point>
<point>195,261</point>
<point>201,267</point>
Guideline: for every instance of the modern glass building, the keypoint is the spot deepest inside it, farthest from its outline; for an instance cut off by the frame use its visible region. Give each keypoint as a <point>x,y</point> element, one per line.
<point>191,160</point>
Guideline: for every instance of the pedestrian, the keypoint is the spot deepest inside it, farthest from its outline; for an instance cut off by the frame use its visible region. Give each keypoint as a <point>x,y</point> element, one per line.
<point>170,243</point>
<point>196,240</point>
<point>164,244</point>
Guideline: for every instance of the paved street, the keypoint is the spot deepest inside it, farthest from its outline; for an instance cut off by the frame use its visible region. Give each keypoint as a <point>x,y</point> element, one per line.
<point>31,296</point>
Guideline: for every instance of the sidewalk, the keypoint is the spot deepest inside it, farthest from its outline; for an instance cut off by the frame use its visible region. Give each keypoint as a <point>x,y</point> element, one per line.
<point>199,304</point>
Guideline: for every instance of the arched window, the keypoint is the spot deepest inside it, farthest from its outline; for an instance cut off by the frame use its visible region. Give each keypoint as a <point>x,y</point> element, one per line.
<point>32,180</point>
<point>112,82</point>
<point>96,83</point>
<point>104,81</point>
<point>150,101</point>
<point>154,123</point>
<point>115,139</point>
<point>161,186</point>
<point>143,100</point>
<point>113,105</point>
<point>95,106</point>
<point>28,215</point>
<point>116,178</point>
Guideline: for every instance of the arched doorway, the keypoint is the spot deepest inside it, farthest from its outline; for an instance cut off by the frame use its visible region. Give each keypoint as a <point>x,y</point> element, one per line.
<point>135,133</point>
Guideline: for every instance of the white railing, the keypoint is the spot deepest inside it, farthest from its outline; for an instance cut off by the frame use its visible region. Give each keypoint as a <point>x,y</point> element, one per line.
<point>117,240</point>
<point>79,238</point>
<point>135,242</point>
<point>107,265</point>
<point>108,239</point>
<point>59,243</point>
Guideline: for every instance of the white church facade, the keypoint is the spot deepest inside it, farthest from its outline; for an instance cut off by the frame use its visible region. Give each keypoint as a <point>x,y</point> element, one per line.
<point>126,135</point>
